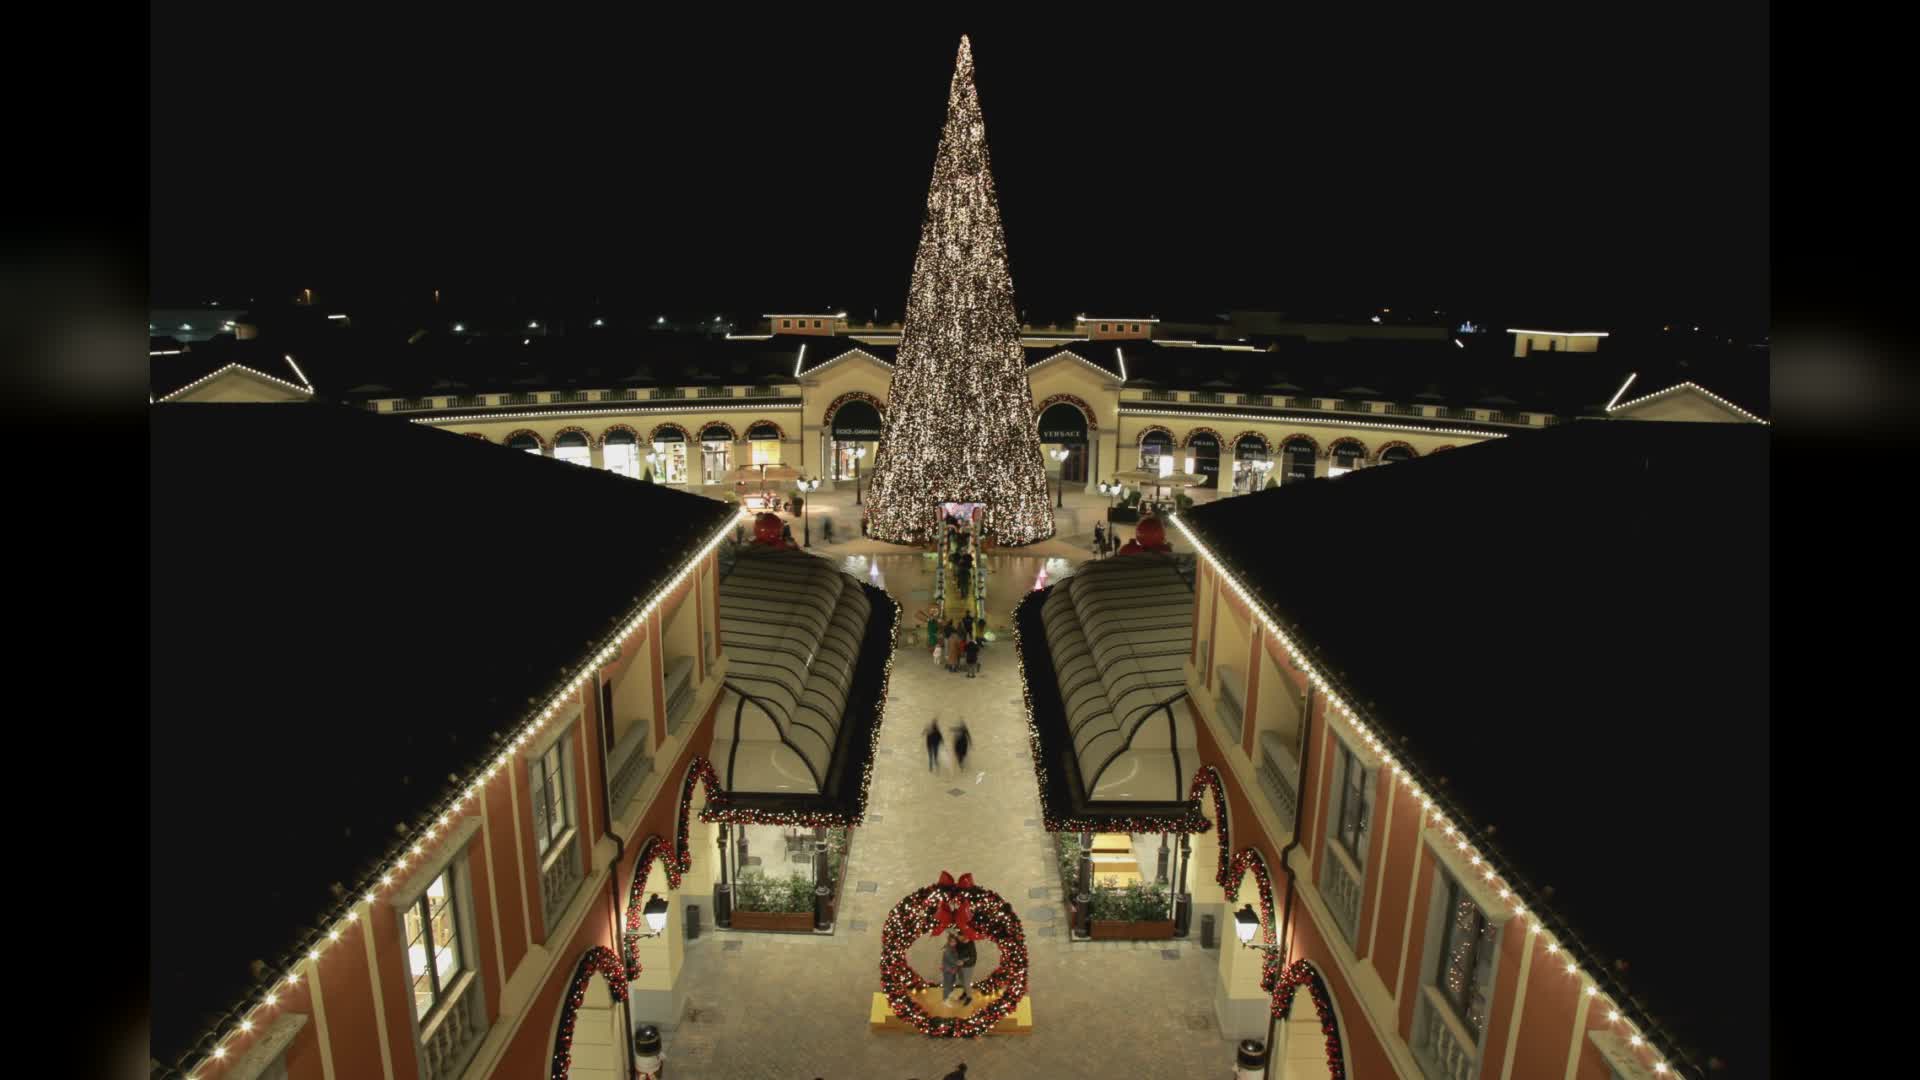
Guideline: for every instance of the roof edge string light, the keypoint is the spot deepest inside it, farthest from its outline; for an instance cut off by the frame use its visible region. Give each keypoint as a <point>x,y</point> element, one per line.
<point>1695,387</point>
<point>413,849</point>
<point>1336,698</point>
<point>205,379</point>
<point>1325,421</point>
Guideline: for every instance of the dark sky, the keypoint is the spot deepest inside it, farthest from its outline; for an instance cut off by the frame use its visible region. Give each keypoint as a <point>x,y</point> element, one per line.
<point>1561,164</point>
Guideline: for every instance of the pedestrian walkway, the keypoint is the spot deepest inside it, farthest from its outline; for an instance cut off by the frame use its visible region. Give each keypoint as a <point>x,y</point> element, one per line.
<point>776,1006</point>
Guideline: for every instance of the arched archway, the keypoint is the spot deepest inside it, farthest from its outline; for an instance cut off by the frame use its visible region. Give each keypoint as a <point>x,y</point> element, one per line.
<point>1298,455</point>
<point>1396,450</point>
<point>1307,1043</point>
<point>620,450</point>
<point>587,1032</point>
<point>1345,454</point>
<point>1066,424</point>
<point>573,445</point>
<point>1252,453</point>
<point>526,439</point>
<point>1204,442</point>
<point>668,444</point>
<point>1154,442</point>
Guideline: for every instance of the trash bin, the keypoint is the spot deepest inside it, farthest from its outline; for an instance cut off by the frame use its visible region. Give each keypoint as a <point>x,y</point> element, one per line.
<point>1206,932</point>
<point>693,921</point>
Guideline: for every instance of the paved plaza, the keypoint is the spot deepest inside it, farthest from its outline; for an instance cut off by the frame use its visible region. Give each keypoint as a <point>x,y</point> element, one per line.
<point>777,1006</point>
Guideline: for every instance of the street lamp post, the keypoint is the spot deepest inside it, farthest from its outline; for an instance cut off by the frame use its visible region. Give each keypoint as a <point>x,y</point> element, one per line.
<point>1245,925</point>
<point>1059,479</point>
<point>807,487</point>
<point>858,453</point>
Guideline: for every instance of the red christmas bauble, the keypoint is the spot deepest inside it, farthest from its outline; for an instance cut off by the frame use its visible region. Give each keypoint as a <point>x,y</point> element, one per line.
<point>766,529</point>
<point>1150,533</point>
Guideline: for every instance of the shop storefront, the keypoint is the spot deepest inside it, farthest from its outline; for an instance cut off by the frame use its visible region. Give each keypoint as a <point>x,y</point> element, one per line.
<point>1297,458</point>
<point>1155,445</point>
<point>669,458</point>
<point>621,452</point>
<point>716,453</point>
<point>856,435</point>
<point>1204,448</point>
<point>1063,426</point>
<point>1249,457</point>
<point>763,443</point>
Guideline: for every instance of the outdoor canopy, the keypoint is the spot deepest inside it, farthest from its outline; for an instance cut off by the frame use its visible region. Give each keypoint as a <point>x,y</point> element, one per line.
<point>855,421</point>
<point>1063,424</point>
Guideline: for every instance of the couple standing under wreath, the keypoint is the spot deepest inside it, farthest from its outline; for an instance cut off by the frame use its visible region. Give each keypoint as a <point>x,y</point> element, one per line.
<point>957,958</point>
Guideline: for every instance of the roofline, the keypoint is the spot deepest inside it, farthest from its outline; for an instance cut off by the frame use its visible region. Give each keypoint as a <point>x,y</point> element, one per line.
<point>1070,354</point>
<point>805,315</point>
<point>209,377</point>
<point>343,917</point>
<point>850,352</point>
<point>1441,811</point>
<point>1130,319</point>
<point>1696,387</point>
<point>1562,333</point>
<point>449,416</point>
<point>1327,421</point>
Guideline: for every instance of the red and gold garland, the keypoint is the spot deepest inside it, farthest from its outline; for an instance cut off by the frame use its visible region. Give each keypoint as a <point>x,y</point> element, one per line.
<point>978,913</point>
<point>1283,984</point>
<point>676,860</point>
<point>598,960</point>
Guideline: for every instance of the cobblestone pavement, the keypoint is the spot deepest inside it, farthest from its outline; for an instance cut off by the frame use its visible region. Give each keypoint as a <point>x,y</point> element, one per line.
<point>780,1006</point>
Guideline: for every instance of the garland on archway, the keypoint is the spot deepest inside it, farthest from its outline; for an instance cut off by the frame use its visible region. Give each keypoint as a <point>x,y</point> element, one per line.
<point>978,913</point>
<point>1236,871</point>
<point>1283,985</point>
<point>598,960</point>
<point>1204,778</point>
<point>676,860</point>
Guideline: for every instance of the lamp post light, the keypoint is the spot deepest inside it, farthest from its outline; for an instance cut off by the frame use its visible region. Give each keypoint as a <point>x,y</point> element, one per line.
<point>858,453</point>
<point>807,487</point>
<point>1060,457</point>
<point>1245,925</point>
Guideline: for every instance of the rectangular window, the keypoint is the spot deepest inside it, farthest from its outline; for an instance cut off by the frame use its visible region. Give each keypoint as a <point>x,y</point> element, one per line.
<point>549,794</point>
<point>606,710</point>
<point>435,952</point>
<point>1465,974</point>
<point>786,324</point>
<point>1136,328</point>
<point>816,324</point>
<point>1351,825</point>
<point>1103,328</point>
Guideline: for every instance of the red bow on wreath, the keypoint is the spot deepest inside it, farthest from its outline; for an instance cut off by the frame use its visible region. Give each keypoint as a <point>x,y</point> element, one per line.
<point>959,917</point>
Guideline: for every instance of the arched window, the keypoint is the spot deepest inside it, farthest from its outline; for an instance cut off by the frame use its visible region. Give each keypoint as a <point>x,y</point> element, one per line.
<point>1397,452</point>
<point>1347,455</point>
<point>524,440</point>
<point>716,453</point>
<point>669,458</point>
<point>1155,444</point>
<point>1250,462</point>
<point>622,453</point>
<point>571,447</point>
<point>1297,455</point>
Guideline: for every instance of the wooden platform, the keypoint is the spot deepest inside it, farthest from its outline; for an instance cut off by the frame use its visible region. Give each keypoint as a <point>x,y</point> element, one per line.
<point>1112,842</point>
<point>1018,1022</point>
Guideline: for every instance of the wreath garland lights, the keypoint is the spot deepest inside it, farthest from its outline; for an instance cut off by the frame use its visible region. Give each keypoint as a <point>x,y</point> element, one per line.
<point>1285,984</point>
<point>979,913</point>
<point>599,960</point>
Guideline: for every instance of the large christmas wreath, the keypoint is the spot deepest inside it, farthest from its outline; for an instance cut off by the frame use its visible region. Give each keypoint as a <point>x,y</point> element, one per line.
<point>977,913</point>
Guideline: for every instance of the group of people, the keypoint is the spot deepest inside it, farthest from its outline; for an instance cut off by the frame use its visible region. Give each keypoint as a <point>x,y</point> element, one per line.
<point>954,644</point>
<point>957,958</point>
<point>962,742</point>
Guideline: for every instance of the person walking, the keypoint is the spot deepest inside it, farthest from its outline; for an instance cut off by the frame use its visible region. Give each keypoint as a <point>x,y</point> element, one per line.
<point>966,624</point>
<point>956,651</point>
<point>1099,538</point>
<point>933,631</point>
<point>973,658</point>
<point>967,959</point>
<point>826,527</point>
<point>962,742</point>
<point>949,966</point>
<point>933,745</point>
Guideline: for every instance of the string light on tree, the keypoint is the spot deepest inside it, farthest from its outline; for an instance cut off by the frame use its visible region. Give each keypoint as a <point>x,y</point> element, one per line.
<point>959,425</point>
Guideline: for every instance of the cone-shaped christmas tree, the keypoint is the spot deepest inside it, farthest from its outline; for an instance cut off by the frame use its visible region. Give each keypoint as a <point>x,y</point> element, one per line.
<point>960,424</point>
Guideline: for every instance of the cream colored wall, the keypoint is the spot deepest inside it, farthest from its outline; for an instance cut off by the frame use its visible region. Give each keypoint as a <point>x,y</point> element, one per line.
<point>819,391</point>
<point>1277,433</point>
<point>1682,404</point>
<point>241,386</point>
<point>633,693</point>
<point>1523,344</point>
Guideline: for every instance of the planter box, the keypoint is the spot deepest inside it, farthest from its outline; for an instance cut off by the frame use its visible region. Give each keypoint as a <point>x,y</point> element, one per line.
<point>776,920</point>
<point>1115,930</point>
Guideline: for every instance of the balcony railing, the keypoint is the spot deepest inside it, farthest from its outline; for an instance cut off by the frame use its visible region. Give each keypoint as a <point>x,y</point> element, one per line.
<point>1504,416</point>
<point>373,406</point>
<point>763,391</point>
<point>520,399</point>
<point>716,391</point>
<point>412,403</point>
<point>669,393</point>
<point>1352,406</point>
<point>1262,400</point>
<point>1341,890</point>
<point>456,1034</point>
<point>561,878</point>
<point>466,401</point>
<point>1405,410</point>
<point>1457,414</point>
<point>1279,776</point>
<point>1159,395</point>
<point>1205,397</point>
<point>1303,403</point>
<point>618,395</point>
<point>629,765</point>
<point>569,395</point>
<point>1444,1048</point>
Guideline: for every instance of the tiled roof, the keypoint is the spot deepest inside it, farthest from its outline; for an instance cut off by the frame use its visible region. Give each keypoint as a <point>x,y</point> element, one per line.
<point>1584,687</point>
<point>330,650</point>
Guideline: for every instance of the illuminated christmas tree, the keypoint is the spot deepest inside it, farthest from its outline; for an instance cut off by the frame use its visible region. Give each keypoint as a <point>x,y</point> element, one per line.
<point>960,425</point>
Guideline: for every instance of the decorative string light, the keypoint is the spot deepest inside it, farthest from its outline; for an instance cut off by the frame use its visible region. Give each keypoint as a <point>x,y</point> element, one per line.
<point>849,354</point>
<point>917,915</point>
<point>606,654</point>
<point>1130,409</point>
<point>959,424</point>
<point>1335,701</point>
<point>1696,388</point>
<point>205,379</point>
<point>700,406</point>
<point>1071,355</point>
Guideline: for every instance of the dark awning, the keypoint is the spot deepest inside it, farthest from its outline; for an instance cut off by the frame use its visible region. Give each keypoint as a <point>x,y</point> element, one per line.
<point>1064,424</point>
<point>716,433</point>
<point>857,420</point>
<point>669,434</point>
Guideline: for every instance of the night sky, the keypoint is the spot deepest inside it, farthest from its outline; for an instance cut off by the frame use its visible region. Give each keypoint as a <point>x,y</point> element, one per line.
<point>1549,165</point>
